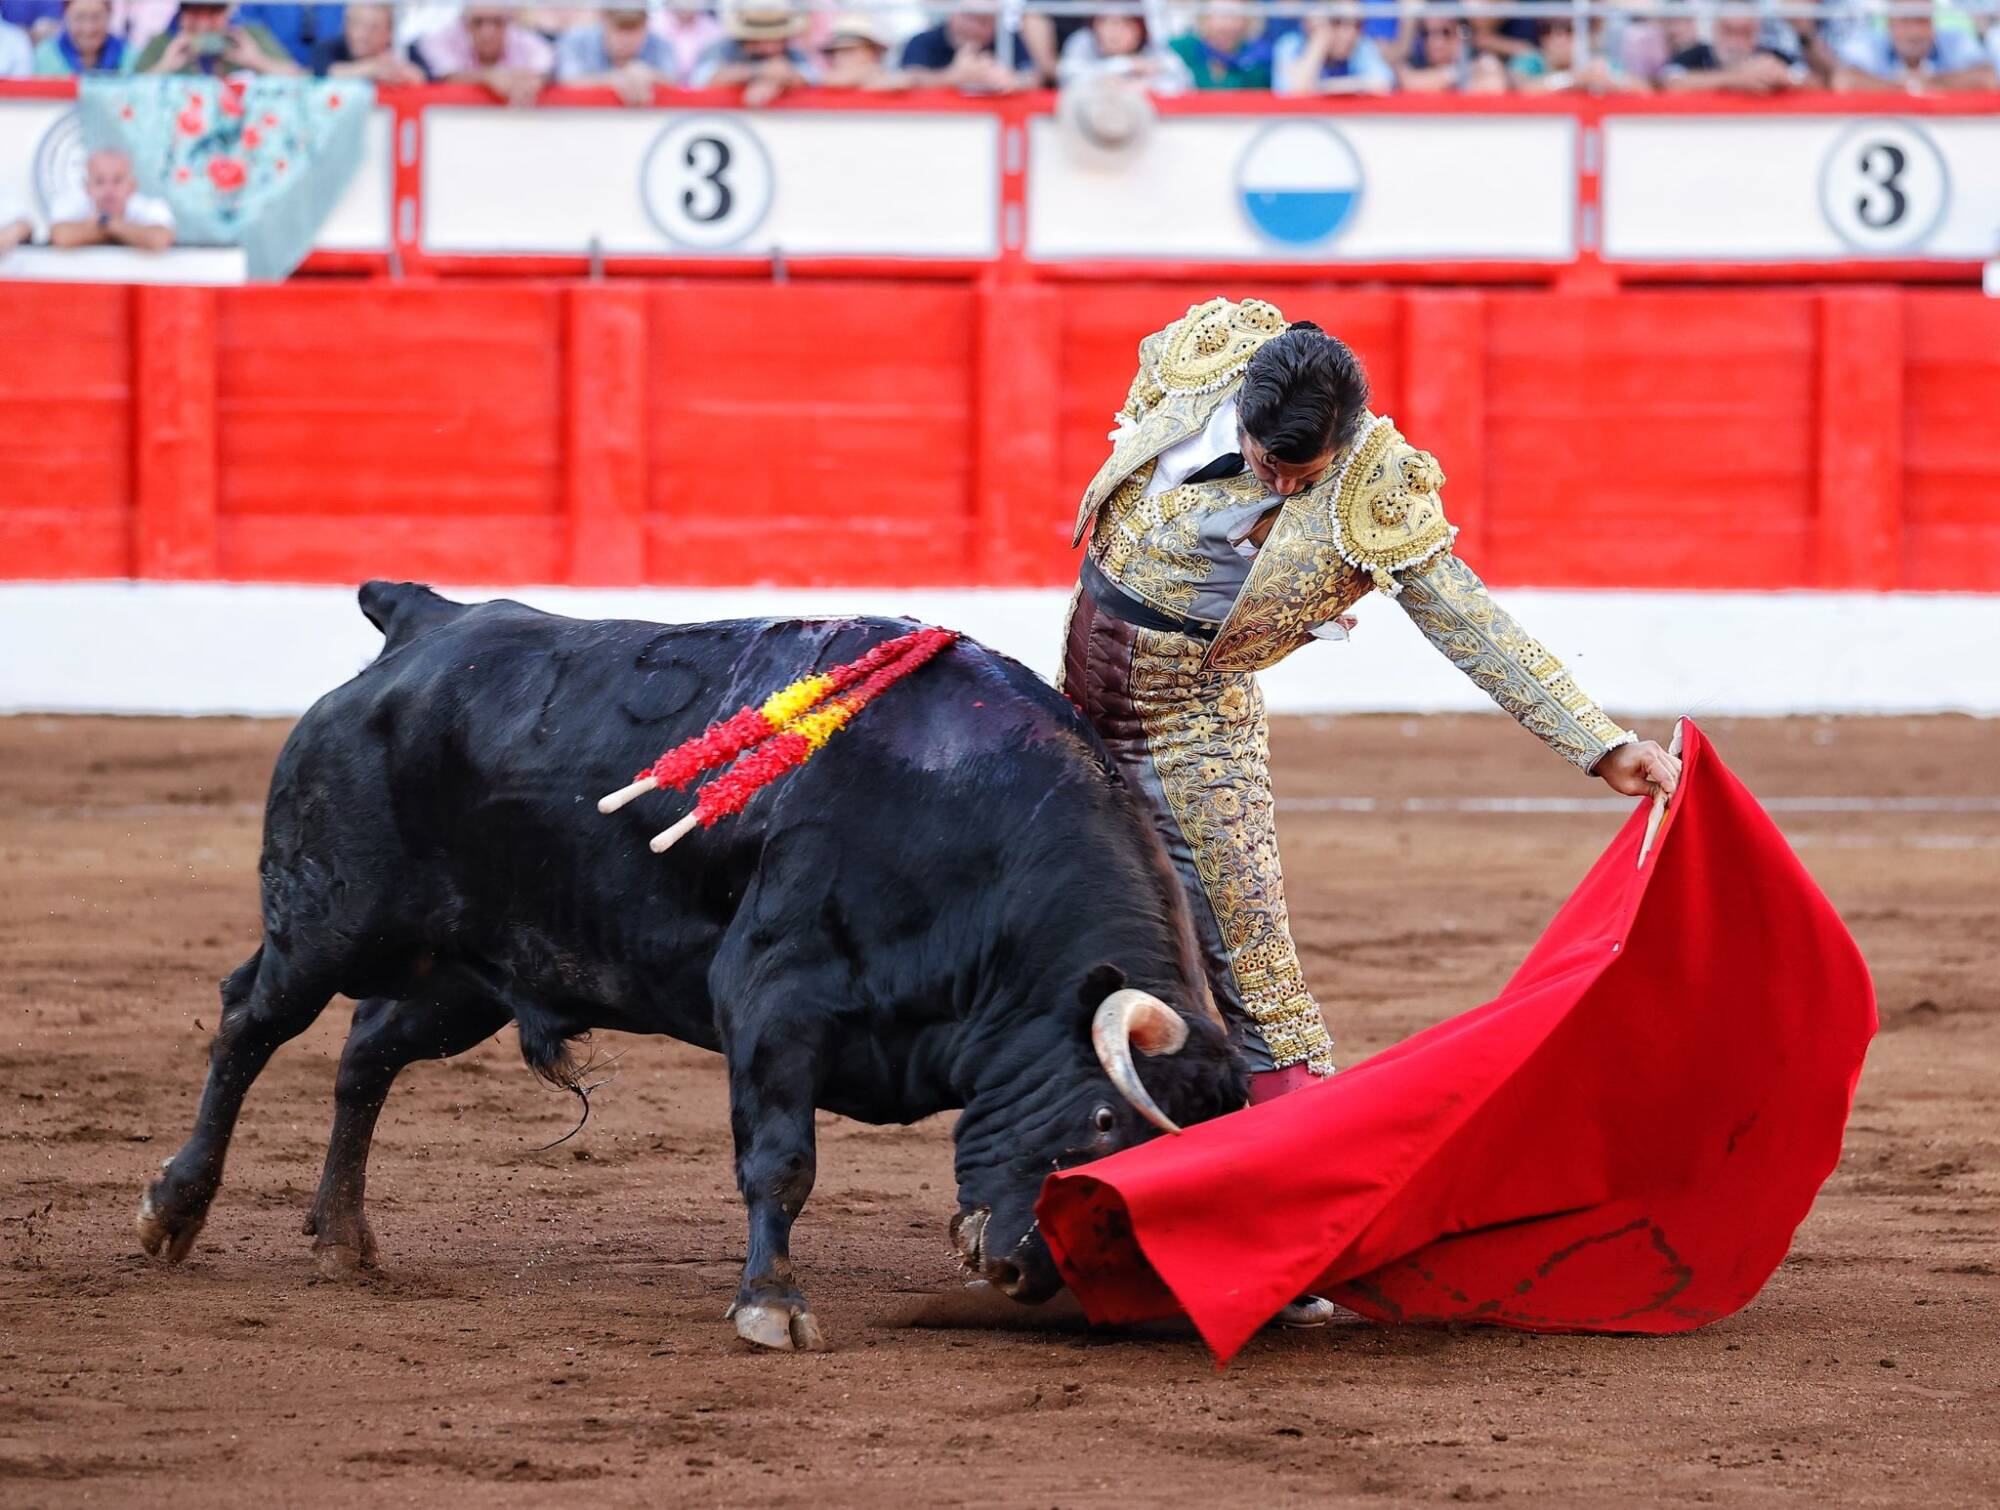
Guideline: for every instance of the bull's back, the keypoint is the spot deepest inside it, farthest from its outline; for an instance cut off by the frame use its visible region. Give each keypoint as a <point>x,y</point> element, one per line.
<point>466,763</point>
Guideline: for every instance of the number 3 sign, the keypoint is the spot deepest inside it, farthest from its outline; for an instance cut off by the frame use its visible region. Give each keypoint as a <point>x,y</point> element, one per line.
<point>707,182</point>
<point>1883,187</point>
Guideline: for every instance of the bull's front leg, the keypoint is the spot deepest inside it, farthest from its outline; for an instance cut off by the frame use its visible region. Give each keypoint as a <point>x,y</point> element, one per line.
<point>774,1073</point>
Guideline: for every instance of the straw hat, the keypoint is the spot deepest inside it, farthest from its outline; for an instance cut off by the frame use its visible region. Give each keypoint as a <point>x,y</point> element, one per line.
<point>761,21</point>
<point>1104,119</point>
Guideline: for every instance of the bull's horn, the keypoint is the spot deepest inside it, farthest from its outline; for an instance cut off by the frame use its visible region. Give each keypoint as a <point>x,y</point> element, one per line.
<point>1129,1019</point>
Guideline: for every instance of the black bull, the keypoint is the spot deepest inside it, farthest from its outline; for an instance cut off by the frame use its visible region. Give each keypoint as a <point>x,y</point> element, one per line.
<point>943,908</point>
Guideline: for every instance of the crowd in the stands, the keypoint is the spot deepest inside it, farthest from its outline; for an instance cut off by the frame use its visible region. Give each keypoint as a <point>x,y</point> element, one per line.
<point>766,47</point>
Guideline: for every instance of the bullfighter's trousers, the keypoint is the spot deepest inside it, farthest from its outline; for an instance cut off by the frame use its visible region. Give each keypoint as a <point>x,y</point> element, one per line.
<point>1194,744</point>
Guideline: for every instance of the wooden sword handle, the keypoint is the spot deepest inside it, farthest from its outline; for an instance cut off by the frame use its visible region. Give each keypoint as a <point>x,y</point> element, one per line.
<point>1659,812</point>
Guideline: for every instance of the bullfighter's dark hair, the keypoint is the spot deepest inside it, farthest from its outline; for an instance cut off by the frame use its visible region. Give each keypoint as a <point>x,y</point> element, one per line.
<point>1303,394</point>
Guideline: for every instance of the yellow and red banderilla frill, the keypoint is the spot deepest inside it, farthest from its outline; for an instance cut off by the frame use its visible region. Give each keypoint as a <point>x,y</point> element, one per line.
<point>780,734</point>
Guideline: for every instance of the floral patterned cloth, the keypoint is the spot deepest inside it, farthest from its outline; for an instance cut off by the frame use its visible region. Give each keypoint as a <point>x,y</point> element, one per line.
<point>251,162</point>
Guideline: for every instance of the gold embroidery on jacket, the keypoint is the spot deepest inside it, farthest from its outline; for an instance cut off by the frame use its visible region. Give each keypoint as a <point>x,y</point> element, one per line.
<point>1209,743</point>
<point>1185,373</point>
<point>1449,603</point>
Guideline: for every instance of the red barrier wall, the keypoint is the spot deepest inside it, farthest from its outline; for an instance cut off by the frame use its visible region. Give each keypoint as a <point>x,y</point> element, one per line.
<point>719,432</point>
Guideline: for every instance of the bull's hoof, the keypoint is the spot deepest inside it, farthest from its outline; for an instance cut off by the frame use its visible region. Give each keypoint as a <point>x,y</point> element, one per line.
<point>342,1260</point>
<point>162,1233</point>
<point>342,1246</point>
<point>780,1328</point>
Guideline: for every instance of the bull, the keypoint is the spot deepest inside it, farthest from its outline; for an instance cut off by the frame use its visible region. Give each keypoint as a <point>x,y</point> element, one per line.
<point>956,904</point>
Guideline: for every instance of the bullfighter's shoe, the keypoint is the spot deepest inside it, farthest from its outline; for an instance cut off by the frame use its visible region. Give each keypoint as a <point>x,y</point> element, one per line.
<point>1306,1311</point>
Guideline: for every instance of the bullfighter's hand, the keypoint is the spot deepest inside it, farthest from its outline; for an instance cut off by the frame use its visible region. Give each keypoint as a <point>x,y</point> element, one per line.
<point>1641,769</point>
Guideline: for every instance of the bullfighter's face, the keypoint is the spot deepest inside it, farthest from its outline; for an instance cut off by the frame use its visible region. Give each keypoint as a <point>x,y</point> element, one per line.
<point>1282,477</point>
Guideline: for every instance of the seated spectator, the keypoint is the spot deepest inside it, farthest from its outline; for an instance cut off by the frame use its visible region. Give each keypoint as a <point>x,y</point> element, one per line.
<point>16,229</point>
<point>366,49</point>
<point>203,38</point>
<point>1224,51</point>
<point>1044,37</point>
<point>1331,56</point>
<point>617,52</point>
<point>17,51</point>
<point>1506,39</point>
<point>689,29</point>
<point>1551,68</point>
<point>485,46</point>
<point>107,209</point>
<point>1733,60</point>
<point>855,55</point>
<point>1120,46</point>
<point>40,19</point>
<point>1442,62</point>
<point>760,52</point>
<point>299,28</point>
<point>138,22</point>
<point>1911,54</point>
<point>83,44</point>
<point>962,53</point>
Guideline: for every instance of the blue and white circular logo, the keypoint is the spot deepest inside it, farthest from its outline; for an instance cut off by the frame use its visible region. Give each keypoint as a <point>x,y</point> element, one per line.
<point>1299,182</point>
<point>59,160</point>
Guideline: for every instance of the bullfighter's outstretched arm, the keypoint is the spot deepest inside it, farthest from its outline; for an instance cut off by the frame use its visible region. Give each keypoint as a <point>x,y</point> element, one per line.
<point>1448,602</point>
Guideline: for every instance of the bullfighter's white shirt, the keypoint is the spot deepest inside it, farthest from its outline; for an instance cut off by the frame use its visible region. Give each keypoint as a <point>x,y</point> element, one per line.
<point>1181,461</point>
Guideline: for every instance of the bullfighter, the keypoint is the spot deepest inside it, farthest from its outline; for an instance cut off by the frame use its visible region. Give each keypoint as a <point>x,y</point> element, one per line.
<point>1250,499</point>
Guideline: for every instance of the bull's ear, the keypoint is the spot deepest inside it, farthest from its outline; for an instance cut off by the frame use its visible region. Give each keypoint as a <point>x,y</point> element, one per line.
<point>1098,984</point>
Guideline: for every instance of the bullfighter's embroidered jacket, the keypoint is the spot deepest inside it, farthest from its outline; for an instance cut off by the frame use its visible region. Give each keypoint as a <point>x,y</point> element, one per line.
<point>1375,522</point>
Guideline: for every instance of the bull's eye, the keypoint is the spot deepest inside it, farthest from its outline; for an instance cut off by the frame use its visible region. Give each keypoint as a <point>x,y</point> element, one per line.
<point>1104,1119</point>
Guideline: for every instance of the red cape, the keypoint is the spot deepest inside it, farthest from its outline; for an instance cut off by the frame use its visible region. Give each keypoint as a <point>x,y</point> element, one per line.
<point>1624,1140</point>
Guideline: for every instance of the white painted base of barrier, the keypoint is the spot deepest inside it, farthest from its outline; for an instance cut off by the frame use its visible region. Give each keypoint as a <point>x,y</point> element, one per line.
<point>143,647</point>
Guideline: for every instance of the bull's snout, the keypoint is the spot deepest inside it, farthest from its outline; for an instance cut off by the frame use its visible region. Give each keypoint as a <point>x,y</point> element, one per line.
<point>1012,1273</point>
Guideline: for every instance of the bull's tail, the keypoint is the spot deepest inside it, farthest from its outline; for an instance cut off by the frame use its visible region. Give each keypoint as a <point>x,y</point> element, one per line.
<point>404,610</point>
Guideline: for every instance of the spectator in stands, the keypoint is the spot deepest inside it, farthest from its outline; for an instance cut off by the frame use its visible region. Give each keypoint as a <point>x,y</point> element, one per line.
<point>616,51</point>
<point>16,229</point>
<point>1224,51</point>
<point>40,19</point>
<point>689,29</point>
<point>486,46</point>
<point>107,209</point>
<point>1332,56</point>
<point>1552,68</point>
<point>204,38</point>
<point>1043,39</point>
<point>855,55</point>
<point>1733,60</point>
<point>83,44</point>
<point>1912,54</point>
<point>299,28</point>
<point>1121,46</point>
<point>1442,61</point>
<point>139,21</point>
<point>759,52</point>
<point>17,51</point>
<point>1505,39</point>
<point>366,49</point>
<point>962,52</point>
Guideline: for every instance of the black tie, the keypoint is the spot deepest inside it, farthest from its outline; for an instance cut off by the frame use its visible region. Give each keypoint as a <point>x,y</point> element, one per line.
<point>1226,465</point>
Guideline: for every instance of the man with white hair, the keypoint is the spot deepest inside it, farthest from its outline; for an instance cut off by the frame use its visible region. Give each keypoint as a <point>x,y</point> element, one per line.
<point>1734,59</point>
<point>107,209</point>
<point>1910,53</point>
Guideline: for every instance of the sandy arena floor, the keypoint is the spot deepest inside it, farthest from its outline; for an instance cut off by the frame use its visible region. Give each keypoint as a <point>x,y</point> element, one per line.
<point>549,1324</point>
